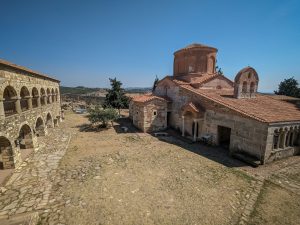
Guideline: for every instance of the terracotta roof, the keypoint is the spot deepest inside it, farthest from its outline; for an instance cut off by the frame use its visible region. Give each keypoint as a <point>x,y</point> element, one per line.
<point>191,106</point>
<point>149,97</point>
<point>262,108</point>
<point>14,66</point>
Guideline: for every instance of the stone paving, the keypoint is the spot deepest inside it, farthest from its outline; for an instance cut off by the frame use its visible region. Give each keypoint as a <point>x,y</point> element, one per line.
<point>28,189</point>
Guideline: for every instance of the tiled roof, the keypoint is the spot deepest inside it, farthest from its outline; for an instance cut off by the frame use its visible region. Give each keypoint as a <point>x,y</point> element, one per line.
<point>40,75</point>
<point>148,97</point>
<point>262,108</point>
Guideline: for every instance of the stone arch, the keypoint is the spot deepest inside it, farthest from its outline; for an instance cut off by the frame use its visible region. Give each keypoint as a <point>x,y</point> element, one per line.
<point>56,94</point>
<point>252,87</point>
<point>49,120</point>
<point>6,154</point>
<point>40,127</point>
<point>244,87</point>
<point>25,98</point>
<point>52,95</point>
<point>48,96</point>
<point>276,139</point>
<point>35,97</point>
<point>25,137</point>
<point>43,96</point>
<point>9,100</point>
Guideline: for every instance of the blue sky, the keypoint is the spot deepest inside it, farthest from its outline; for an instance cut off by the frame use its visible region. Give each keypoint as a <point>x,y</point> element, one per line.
<point>86,42</point>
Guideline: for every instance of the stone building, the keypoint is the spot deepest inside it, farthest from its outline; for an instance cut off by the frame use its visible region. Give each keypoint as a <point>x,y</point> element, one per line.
<point>197,101</point>
<point>29,105</point>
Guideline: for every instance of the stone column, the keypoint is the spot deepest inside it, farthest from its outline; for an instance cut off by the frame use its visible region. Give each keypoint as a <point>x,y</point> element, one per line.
<point>2,113</point>
<point>45,99</point>
<point>50,98</point>
<point>182,126</point>
<point>195,132</point>
<point>18,105</point>
<point>29,102</point>
<point>284,138</point>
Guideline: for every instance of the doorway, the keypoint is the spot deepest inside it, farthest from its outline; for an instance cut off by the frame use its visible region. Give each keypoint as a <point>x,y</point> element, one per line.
<point>224,134</point>
<point>195,129</point>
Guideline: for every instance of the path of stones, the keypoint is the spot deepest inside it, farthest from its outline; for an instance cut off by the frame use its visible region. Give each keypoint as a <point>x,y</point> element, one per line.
<point>35,185</point>
<point>30,186</point>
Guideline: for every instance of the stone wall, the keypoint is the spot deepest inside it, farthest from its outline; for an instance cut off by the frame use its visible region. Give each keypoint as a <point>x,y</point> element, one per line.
<point>284,151</point>
<point>246,134</point>
<point>11,125</point>
<point>149,116</point>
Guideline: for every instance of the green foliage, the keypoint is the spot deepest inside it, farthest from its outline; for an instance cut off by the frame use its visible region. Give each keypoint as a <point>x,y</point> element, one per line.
<point>219,70</point>
<point>102,116</point>
<point>289,87</point>
<point>115,97</point>
<point>155,83</point>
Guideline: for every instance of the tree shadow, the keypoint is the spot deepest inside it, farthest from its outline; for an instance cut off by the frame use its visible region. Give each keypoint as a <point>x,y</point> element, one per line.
<point>124,125</point>
<point>88,127</point>
<point>214,153</point>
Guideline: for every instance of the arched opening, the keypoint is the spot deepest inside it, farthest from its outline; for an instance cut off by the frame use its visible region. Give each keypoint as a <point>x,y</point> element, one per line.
<point>9,101</point>
<point>43,96</point>
<point>211,64</point>
<point>25,97</point>
<point>25,141</point>
<point>56,95</point>
<point>49,122</point>
<point>53,95</point>
<point>282,138</point>
<point>40,127</point>
<point>48,96</point>
<point>35,97</point>
<point>276,139</point>
<point>252,87</point>
<point>6,154</point>
<point>244,88</point>
<point>188,123</point>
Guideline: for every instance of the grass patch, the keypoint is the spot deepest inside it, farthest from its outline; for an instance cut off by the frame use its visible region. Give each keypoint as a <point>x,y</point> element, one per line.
<point>242,174</point>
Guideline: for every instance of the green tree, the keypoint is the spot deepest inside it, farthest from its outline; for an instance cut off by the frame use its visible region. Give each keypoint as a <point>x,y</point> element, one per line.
<point>155,83</point>
<point>102,116</point>
<point>289,87</point>
<point>115,97</point>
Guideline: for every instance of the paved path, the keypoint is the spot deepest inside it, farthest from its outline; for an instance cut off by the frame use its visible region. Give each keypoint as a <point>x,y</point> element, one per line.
<point>30,186</point>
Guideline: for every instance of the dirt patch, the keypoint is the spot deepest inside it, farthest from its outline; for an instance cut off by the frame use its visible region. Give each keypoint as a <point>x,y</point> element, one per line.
<point>131,178</point>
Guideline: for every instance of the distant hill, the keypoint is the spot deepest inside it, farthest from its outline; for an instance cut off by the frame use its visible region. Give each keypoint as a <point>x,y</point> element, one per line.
<point>80,90</point>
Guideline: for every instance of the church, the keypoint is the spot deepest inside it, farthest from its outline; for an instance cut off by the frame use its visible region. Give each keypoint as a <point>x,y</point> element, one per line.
<point>198,101</point>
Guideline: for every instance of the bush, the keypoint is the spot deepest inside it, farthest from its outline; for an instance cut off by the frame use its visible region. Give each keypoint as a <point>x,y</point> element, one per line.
<point>102,116</point>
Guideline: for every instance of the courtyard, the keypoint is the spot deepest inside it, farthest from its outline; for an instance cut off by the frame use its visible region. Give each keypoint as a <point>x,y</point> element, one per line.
<point>82,176</point>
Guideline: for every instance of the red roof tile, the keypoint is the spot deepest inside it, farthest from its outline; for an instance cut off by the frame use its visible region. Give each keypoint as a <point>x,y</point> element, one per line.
<point>148,97</point>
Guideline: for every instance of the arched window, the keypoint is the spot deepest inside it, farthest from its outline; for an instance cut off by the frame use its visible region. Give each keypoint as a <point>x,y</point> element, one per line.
<point>244,88</point>
<point>35,97</point>
<point>9,102</point>
<point>43,96</point>
<point>52,95</point>
<point>48,96</point>
<point>24,94</point>
<point>252,87</point>
<point>276,139</point>
<point>56,95</point>
<point>6,154</point>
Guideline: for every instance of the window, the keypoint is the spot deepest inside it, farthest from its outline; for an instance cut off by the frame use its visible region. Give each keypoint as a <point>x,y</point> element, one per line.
<point>154,113</point>
<point>244,90</point>
<point>252,87</point>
